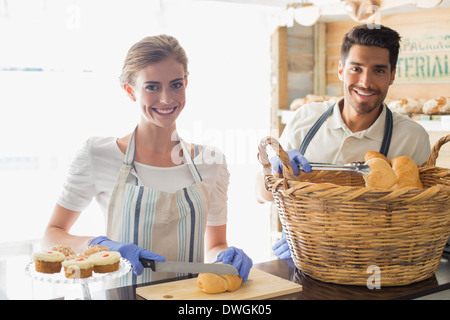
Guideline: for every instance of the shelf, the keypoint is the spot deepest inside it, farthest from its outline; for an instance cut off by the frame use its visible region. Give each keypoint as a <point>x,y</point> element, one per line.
<point>429,122</point>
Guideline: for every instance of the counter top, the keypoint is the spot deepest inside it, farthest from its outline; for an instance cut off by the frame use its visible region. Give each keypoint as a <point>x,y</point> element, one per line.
<point>317,290</point>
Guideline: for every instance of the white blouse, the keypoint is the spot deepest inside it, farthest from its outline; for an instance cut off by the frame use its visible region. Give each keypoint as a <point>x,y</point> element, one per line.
<point>94,169</point>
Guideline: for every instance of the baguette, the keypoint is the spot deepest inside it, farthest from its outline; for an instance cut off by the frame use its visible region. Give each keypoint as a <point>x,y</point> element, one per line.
<point>407,173</point>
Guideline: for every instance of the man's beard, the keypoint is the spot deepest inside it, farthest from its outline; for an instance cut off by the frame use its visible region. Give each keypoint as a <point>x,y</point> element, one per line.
<point>365,107</point>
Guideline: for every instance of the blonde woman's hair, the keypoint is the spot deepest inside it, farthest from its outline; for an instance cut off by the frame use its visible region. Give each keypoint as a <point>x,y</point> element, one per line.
<point>148,51</point>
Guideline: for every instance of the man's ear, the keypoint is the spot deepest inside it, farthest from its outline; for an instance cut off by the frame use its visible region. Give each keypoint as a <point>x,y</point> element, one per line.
<point>393,75</point>
<point>341,71</point>
<point>129,90</point>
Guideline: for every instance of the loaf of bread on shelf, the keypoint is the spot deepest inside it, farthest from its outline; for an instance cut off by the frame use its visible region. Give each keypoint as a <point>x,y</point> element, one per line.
<point>437,106</point>
<point>298,102</point>
<point>406,106</point>
<point>218,283</point>
<point>407,172</point>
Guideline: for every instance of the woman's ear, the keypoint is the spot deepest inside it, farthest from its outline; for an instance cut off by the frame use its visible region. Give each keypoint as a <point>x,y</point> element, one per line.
<point>129,90</point>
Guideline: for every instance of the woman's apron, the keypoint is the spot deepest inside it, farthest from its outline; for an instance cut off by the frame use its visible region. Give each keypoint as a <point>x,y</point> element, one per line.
<point>169,224</point>
<point>384,144</point>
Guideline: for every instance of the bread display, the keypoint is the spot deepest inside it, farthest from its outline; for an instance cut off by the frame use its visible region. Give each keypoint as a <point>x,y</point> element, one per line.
<point>218,283</point>
<point>297,103</point>
<point>437,106</point>
<point>406,106</point>
<point>48,261</point>
<point>401,105</point>
<point>401,172</point>
<point>407,172</point>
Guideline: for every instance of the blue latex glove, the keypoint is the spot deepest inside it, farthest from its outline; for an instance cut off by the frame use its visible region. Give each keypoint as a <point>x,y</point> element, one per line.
<point>281,249</point>
<point>129,251</point>
<point>238,259</point>
<point>296,157</point>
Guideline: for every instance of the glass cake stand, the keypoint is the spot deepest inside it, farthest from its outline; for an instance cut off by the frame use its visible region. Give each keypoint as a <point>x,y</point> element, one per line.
<point>124,268</point>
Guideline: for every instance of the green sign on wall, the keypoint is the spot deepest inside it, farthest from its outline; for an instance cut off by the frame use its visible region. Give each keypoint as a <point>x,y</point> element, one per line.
<point>424,59</point>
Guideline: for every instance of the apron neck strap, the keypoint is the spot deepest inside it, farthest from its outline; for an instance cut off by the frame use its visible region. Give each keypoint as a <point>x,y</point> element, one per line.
<point>388,127</point>
<point>131,152</point>
<point>190,162</point>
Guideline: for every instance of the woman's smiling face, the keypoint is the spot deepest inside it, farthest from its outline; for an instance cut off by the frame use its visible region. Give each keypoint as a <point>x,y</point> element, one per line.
<point>367,75</point>
<point>160,90</point>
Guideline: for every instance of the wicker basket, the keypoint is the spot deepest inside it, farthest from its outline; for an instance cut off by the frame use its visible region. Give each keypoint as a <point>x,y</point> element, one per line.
<point>336,227</point>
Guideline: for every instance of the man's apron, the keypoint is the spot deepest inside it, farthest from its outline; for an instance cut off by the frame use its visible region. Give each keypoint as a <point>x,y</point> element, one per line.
<point>169,224</point>
<point>388,127</point>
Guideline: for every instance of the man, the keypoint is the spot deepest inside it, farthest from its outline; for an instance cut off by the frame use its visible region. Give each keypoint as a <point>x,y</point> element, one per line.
<point>360,122</point>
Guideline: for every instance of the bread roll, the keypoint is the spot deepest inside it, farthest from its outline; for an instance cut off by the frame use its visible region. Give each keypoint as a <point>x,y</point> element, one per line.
<point>218,283</point>
<point>373,154</point>
<point>381,174</point>
<point>407,172</point>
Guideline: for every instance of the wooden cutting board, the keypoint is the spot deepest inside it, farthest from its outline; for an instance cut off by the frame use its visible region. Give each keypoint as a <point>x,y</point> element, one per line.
<point>260,285</point>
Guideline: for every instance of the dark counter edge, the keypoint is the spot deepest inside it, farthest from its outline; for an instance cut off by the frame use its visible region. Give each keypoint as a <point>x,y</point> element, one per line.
<point>318,290</point>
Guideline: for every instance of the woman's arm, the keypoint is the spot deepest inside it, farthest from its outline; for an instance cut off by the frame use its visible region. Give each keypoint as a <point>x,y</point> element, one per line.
<point>215,241</point>
<point>57,231</point>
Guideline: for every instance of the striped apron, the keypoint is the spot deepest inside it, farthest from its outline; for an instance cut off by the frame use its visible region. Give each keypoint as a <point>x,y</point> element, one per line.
<point>169,224</point>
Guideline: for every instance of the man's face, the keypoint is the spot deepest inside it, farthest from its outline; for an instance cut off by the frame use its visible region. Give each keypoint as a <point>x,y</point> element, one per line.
<point>366,75</point>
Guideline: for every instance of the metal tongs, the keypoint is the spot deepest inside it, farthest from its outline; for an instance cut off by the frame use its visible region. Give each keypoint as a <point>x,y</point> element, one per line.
<point>357,167</point>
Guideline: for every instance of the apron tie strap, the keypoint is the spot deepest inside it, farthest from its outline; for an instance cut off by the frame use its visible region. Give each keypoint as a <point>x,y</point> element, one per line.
<point>386,137</point>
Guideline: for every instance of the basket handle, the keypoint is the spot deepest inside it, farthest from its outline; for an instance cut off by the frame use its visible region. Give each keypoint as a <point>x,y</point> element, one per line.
<point>435,151</point>
<point>264,158</point>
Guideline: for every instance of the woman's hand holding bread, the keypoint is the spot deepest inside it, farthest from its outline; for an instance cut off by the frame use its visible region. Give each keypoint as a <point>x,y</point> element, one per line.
<point>214,283</point>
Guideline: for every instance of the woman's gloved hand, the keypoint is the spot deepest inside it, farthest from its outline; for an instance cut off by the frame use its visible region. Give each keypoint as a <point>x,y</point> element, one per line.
<point>129,251</point>
<point>296,158</point>
<point>281,249</point>
<point>238,259</point>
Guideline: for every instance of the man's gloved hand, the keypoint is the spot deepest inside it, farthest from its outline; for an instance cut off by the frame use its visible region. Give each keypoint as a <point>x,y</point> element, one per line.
<point>129,251</point>
<point>238,259</point>
<point>296,158</point>
<point>281,249</point>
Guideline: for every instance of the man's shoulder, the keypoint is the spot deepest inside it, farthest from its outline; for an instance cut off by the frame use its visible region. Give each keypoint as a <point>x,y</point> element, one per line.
<point>403,122</point>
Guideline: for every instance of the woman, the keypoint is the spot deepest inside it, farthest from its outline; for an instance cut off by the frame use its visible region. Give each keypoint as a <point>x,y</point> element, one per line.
<point>163,198</point>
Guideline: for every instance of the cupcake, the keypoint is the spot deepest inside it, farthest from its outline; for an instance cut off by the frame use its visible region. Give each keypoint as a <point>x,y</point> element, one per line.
<point>48,261</point>
<point>105,261</point>
<point>94,249</point>
<point>78,268</point>
<point>65,250</point>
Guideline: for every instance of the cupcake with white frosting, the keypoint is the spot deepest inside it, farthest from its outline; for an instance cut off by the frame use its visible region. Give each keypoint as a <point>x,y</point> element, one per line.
<point>48,261</point>
<point>78,268</point>
<point>105,261</point>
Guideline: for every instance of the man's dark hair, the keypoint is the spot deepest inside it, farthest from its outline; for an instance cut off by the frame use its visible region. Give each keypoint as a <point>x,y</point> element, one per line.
<point>380,36</point>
